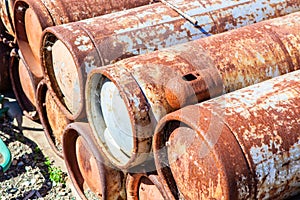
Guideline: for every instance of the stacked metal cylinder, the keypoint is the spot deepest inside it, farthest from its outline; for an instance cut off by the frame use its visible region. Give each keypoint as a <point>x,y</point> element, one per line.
<point>115,85</point>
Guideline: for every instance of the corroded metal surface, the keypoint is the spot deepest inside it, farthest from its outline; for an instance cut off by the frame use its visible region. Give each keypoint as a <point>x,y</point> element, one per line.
<point>52,119</point>
<point>31,17</point>
<point>6,15</point>
<point>28,85</point>
<point>193,72</point>
<point>24,87</point>
<point>242,145</point>
<point>141,30</point>
<point>145,186</point>
<point>91,176</point>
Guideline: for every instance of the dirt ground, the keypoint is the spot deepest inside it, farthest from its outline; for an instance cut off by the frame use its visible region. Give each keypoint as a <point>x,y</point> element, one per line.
<point>27,176</point>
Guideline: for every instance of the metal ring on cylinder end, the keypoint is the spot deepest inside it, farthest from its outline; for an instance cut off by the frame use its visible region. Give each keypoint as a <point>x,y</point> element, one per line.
<point>30,18</point>
<point>52,120</point>
<point>62,71</point>
<point>27,81</point>
<point>177,142</point>
<point>118,133</point>
<point>89,172</point>
<point>144,186</point>
<point>27,106</point>
<point>66,76</point>
<point>140,145</point>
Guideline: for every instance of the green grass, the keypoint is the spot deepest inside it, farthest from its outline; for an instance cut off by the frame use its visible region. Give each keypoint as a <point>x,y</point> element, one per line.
<point>55,173</point>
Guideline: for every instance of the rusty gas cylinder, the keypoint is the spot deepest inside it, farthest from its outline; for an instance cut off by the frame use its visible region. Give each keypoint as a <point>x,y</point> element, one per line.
<point>31,17</point>
<point>6,15</point>
<point>242,145</point>
<point>52,119</point>
<point>140,87</point>
<point>24,85</point>
<point>87,45</point>
<point>146,186</point>
<point>91,175</point>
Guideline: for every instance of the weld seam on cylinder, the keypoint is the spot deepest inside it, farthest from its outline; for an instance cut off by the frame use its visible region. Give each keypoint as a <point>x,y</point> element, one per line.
<point>277,40</point>
<point>211,66</point>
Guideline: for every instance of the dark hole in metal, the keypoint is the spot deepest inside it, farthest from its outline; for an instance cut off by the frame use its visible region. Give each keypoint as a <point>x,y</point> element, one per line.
<point>189,77</point>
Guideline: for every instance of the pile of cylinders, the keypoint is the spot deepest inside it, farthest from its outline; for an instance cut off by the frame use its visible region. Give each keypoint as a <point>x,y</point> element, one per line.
<point>72,50</point>
<point>133,32</point>
<point>150,86</point>
<point>170,99</point>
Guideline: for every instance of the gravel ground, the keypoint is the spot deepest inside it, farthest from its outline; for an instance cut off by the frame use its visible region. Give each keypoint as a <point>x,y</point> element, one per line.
<point>28,176</point>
